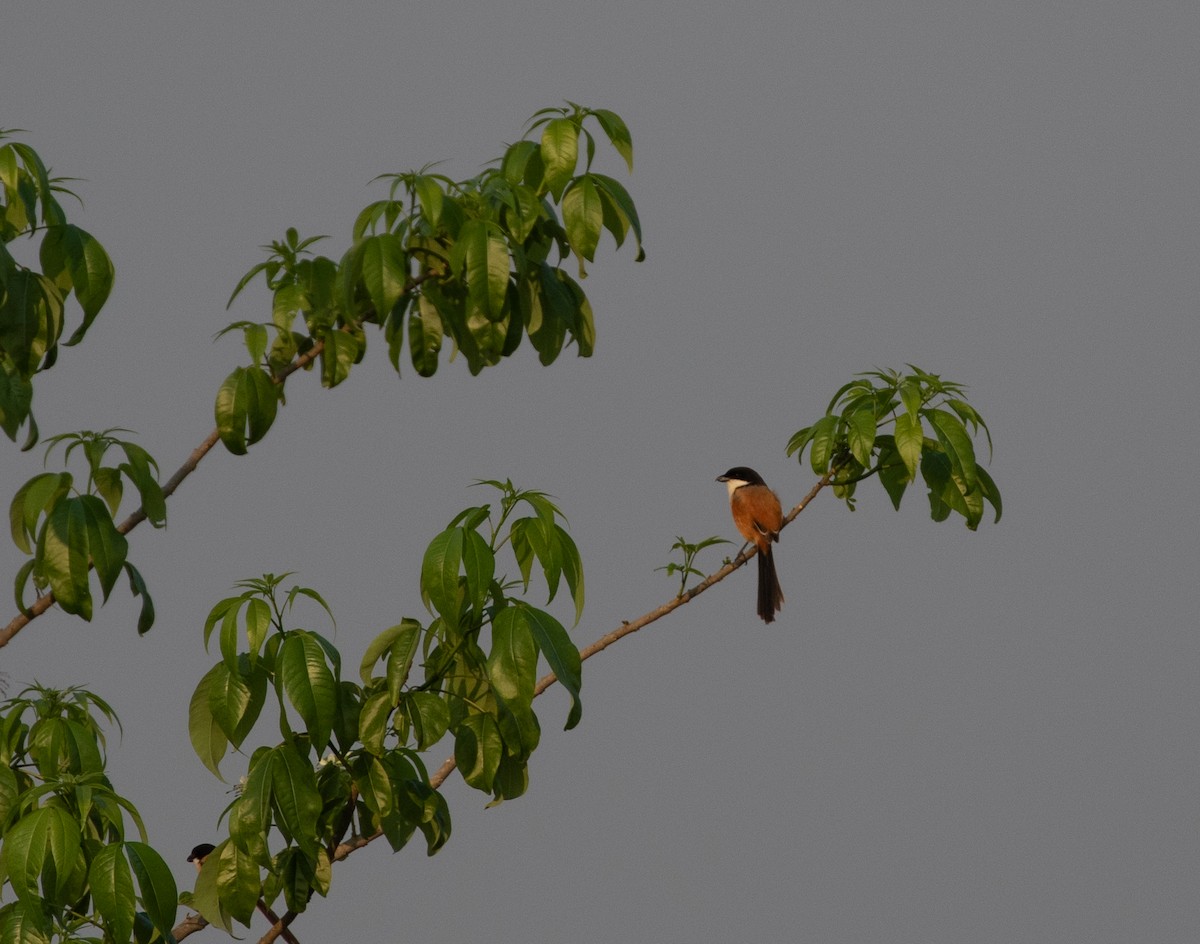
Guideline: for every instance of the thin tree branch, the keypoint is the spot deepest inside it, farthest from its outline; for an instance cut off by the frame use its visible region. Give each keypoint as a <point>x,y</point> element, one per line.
<point>280,927</point>
<point>188,926</point>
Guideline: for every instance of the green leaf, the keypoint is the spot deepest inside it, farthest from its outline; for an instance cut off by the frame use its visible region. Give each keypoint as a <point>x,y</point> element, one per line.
<point>111,884</point>
<point>431,197</point>
<point>372,721</point>
<point>294,797</point>
<point>439,573</point>
<point>583,216</point>
<point>309,684</point>
<point>245,408</point>
<point>478,748</point>
<point>236,697</point>
<point>79,531</point>
<point>559,153</point>
<point>429,716</point>
<point>620,212</point>
<point>16,395</point>
<point>31,320</point>
<point>910,440</point>
<point>512,663</point>
<point>861,435</point>
<point>480,565</point>
<point>618,134</point>
<point>206,898</point>
<point>341,352</point>
<point>487,266</point>
<point>35,497</point>
<point>401,654</point>
<point>408,630</point>
<point>894,478</point>
<point>823,443</point>
<point>957,442</point>
<point>989,490</point>
<point>137,586</point>
<point>156,884</point>
<point>572,569</point>
<point>208,740</point>
<point>425,337</point>
<point>41,852</point>
<point>556,646</point>
<point>374,786</point>
<point>936,470</point>
<point>61,746</point>
<point>384,270</point>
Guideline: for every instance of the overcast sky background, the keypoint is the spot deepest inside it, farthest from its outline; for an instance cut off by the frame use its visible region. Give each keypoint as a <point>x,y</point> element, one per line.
<point>947,736</point>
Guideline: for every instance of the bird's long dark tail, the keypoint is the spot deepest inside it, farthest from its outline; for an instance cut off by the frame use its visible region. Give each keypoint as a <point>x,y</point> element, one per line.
<point>770,594</point>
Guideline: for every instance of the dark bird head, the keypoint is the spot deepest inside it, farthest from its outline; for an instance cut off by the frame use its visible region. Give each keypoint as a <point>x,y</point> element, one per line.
<point>201,852</point>
<point>742,474</point>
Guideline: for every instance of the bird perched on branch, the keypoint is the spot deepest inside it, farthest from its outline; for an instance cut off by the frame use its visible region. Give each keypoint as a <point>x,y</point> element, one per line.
<point>758,516</point>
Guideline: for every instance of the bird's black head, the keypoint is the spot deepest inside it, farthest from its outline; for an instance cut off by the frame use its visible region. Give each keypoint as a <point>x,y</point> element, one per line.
<point>741,473</point>
<point>201,851</point>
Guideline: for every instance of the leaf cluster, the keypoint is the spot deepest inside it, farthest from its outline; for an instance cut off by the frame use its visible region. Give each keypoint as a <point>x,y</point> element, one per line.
<point>70,530</point>
<point>33,301</point>
<point>478,263</point>
<point>65,852</point>
<point>932,427</point>
<point>689,552</point>
<point>349,762</point>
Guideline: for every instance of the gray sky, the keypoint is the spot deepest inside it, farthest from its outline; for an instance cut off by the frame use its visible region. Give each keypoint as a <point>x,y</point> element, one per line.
<point>946,737</point>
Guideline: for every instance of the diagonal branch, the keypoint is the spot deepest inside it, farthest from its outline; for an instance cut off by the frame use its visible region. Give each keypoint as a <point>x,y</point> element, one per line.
<point>625,629</point>
<point>46,600</point>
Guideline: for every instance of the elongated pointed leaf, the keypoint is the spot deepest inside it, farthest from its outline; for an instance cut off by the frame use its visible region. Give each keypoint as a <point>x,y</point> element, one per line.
<point>341,352</point>
<point>512,663</point>
<point>559,153</point>
<point>957,443</point>
<point>384,271</point>
<point>294,797</point>
<point>910,439</point>
<point>572,569</point>
<point>478,748</point>
<point>618,134</point>
<point>16,397</point>
<point>382,644</point>
<point>583,217</point>
<point>91,275</point>
<point>31,320</point>
<point>41,852</point>
<point>823,444</point>
<point>487,267</point>
<point>155,883</point>
<point>556,646</point>
<point>860,435</point>
<point>64,547</point>
<point>208,740</point>
<point>32,500</point>
<point>309,684</point>
<point>245,408</point>
<point>206,898</point>
<point>439,573</point>
<point>430,717</point>
<point>111,884</point>
<point>989,490</point>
